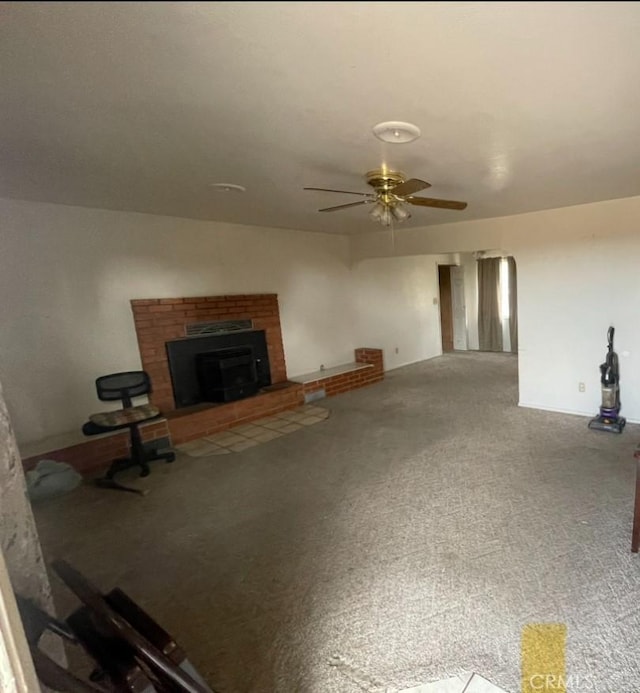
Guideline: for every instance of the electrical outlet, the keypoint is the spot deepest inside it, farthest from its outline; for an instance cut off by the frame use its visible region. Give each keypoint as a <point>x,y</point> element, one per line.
<point>581,387</point>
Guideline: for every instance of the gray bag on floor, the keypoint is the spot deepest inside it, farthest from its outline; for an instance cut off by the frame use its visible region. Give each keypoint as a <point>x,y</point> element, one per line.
<point>50,479</point>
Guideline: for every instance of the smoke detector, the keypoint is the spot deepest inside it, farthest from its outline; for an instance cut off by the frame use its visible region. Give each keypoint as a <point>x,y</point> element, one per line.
<point>228,187</point>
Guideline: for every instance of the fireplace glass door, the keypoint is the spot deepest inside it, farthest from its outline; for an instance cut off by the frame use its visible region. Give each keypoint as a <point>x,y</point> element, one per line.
<point>225,375</point>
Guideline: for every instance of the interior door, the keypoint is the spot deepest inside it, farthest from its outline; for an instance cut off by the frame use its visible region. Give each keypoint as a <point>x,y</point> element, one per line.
<point>458,308</point>
<point>446,313</point>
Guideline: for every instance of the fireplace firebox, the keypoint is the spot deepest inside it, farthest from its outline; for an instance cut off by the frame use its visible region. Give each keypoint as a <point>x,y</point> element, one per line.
<point>218,368</point>
<point>226,375</point>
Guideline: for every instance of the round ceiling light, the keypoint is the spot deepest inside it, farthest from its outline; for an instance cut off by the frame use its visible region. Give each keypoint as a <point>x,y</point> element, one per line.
<point>396,132</point>
<point>228,187</point>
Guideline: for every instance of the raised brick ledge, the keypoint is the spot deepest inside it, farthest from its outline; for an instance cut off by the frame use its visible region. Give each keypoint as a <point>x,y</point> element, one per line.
<point>89,453</point>
<point>367,370</point>
<point>330,372</point>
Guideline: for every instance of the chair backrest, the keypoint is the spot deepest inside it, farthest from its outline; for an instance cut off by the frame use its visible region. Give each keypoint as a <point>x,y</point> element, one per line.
<point>123,386</point>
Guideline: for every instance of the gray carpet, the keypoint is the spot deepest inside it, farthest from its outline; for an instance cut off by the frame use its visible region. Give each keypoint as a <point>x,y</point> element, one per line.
<point>408,538</point>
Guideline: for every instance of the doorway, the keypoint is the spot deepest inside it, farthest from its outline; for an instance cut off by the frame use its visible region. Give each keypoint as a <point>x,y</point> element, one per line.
<point>453,314</point>
<point>446,311</point>
<point>497,304</point>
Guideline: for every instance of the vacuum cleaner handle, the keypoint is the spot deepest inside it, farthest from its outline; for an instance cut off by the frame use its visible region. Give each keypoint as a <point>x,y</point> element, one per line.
<point>610,333</point>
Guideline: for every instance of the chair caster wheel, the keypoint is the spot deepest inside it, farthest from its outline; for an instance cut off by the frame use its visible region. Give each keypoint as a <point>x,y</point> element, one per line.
<point>145,471</point>
<point>97,675</point>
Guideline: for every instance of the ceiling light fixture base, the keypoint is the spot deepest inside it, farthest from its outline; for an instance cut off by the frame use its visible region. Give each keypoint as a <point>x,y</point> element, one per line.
<point>396,132</point>
<point>382,179</point>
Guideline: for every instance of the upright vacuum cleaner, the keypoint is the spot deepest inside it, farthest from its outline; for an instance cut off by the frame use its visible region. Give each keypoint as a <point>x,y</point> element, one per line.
<point>609,418</point>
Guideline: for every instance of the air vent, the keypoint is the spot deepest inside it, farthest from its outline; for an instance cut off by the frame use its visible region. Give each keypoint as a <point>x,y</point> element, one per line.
<point>197,329</point>
<point>313,396</point>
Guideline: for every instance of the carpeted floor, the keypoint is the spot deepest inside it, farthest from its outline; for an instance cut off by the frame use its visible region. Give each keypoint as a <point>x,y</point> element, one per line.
<point>407,538</point>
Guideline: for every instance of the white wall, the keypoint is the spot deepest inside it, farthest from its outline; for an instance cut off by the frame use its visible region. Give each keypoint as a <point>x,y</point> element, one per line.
<point>577,274</point>
<point>569,292</point>
<point>394,307</point>
<point>67,275</point>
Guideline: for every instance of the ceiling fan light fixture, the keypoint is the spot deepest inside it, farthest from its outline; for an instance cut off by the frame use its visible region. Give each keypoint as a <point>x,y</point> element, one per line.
<point>376,213</point>
<point>396,132</point>
<point>385,213</point>
<point>400,213</point>
<point>386,217</point>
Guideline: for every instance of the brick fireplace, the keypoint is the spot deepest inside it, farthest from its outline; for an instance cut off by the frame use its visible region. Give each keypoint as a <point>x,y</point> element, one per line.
<point>161,320</point>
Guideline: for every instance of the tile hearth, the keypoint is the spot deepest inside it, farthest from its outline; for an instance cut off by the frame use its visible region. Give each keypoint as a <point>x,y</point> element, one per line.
<point>249,435</point>
<point>473,683</point>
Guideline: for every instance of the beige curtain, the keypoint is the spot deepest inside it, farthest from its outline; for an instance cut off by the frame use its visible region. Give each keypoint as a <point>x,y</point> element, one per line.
<point>489,323</point>
<point>513,304</point>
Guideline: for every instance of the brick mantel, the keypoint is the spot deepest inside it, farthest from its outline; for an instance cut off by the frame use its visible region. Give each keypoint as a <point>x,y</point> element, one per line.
<point>159,320</point>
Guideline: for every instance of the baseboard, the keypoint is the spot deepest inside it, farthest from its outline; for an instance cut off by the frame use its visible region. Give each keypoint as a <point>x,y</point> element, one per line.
<point>316,395</point>
<point>573,412</point>
<point>410,363</point>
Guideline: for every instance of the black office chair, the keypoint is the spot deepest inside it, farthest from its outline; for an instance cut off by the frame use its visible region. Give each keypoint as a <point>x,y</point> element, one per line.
<point>123,387</point>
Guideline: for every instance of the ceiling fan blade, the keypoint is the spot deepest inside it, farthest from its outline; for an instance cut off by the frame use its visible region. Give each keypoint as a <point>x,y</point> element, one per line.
<point>351,204</point>
<point>433,202</point>
<point>347,192</point>
<point>413,185</point>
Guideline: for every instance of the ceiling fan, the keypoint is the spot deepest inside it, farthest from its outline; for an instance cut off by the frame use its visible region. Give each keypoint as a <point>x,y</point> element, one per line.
<point>392,189</point>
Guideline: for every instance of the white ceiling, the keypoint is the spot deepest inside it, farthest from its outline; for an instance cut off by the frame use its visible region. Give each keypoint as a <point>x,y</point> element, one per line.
<point>140,106</point>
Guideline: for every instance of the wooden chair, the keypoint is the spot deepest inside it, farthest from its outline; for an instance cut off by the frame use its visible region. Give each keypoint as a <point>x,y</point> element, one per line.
<point>132,653</point>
